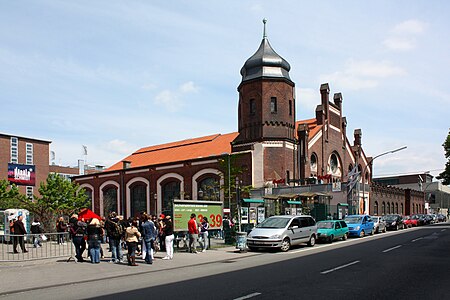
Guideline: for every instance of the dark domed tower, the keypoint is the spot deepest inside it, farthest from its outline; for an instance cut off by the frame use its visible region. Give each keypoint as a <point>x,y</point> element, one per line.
<point>267,114</point>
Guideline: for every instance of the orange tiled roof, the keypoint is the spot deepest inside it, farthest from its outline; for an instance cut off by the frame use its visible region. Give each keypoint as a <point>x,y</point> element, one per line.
<point>212,145</point>
<point>312,125</point>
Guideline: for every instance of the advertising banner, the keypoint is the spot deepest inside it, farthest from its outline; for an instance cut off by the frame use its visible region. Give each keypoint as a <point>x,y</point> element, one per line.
<point>21,174</point>
<point>182,210</point>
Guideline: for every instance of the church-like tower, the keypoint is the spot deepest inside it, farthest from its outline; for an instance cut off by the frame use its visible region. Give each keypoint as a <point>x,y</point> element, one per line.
<point>266,114</point>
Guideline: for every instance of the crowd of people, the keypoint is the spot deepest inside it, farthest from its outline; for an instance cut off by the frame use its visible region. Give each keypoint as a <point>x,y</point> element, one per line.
<point>138,236</point>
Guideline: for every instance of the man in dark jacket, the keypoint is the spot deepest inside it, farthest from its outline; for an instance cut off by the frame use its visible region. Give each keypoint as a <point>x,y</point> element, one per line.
<point>36,230</point>
<point>19,231</point>
<point>115,232</point>
<point>77,232</point>
<point>149,234</point>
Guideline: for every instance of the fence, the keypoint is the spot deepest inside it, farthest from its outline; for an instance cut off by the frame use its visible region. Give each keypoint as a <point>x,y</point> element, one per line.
<point>48,245</point>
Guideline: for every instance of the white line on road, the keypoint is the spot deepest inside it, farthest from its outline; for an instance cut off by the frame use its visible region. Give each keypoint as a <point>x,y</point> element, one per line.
<point>415,240</point>
<point>443,229</point>
<point>248,296</point>
<point>340,267</point>
<point>390,249</point>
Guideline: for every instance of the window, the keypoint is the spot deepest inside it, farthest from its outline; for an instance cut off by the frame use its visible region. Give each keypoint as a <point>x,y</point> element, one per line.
<point>30,192</point>
<point>109,200</point>
<point>313,162</point>
<point>29,153</point>
<point>290,107</point>
<point>138,201</point>
<point>209,189</point>
<point>273,105</point>
<point>338,225</point>
<point>14,150</point>
<point>252,106</point>
<point>375,208</point>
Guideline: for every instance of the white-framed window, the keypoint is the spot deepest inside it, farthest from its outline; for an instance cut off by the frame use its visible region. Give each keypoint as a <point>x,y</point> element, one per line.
<point>29,154</point>
<point>30,192</point>
<point>14,150</point>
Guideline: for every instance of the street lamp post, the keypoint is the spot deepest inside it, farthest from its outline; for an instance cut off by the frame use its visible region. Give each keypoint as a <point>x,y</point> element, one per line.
<point>371,161</point>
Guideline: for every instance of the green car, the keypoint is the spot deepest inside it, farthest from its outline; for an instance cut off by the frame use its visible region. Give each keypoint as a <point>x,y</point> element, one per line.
<point>331,230</point>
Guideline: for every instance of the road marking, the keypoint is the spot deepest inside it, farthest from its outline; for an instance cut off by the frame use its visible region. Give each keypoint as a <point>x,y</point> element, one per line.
<point>248,296</point>
<point>443,229</point>
<point>393,248</point>
<point>340,267</point>
<point>415,240</point>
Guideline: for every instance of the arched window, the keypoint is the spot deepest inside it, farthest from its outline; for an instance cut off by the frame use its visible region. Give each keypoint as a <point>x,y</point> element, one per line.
<point>109,199</point>
<point>88,193</point>
<point>396,208</point>
<point>388,208</point>
<point>313,164</point>
<point>138,201</point>
<point>401,209</point>
<point>392,208</point>
<point>383,208</point>
<point>209,189</point>
<point>171,191</point>
<point>375,208</point>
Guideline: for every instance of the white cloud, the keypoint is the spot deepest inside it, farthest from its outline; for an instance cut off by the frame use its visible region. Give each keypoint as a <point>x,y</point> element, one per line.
<point>120,147</point>
<point>403,35</point>
<point>362,74</point>
<point>307,99</point>
<point>173,100</point>
<point>410,27</point>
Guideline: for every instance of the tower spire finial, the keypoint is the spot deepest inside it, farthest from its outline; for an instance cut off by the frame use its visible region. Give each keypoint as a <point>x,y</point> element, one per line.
<point>264,31</point>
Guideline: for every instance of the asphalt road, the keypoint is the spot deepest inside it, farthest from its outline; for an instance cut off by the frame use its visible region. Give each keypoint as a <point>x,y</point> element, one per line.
<point>409,264</point>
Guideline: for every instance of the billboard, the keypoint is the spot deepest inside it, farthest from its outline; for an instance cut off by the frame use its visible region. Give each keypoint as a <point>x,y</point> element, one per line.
<point>21,174</point>
<point>182,210</point>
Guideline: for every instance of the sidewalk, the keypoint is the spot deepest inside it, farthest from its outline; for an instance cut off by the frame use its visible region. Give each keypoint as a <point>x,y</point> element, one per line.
<point>29,275</point>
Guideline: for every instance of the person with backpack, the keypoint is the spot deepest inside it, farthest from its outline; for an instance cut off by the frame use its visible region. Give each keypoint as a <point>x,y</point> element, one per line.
<point>115,232</point>
<point>78,232</point>
<point>36,230</point>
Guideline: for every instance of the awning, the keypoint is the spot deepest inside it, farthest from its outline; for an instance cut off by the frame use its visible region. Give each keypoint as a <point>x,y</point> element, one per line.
<point>342,204</point>
<point>288,196</point>
<point>294,202</point>
<point>253,200</point>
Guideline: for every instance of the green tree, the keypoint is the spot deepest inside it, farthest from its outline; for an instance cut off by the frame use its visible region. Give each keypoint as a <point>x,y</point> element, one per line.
<point>445,176</point>
<point>58,197</point>
<point>10,197</point>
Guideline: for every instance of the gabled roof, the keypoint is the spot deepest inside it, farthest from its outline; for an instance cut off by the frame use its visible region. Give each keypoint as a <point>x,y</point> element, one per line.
<point>312,126</point>
<point>212,145</point>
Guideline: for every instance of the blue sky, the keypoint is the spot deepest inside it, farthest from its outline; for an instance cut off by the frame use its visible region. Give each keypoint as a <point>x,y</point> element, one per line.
<point>120,75</point>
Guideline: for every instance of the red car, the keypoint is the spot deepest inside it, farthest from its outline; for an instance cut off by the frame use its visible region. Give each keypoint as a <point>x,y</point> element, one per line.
<point>410,221</point>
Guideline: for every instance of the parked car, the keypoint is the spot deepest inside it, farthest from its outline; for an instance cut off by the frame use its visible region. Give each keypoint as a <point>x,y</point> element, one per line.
<point>410,221</point>
<point>441,218</point>
<point>420,219</point>
<point>394,222</point>
<point>378,224</point>
<point>331,230</point>
<point>282,232</point>
<point>359,225</point>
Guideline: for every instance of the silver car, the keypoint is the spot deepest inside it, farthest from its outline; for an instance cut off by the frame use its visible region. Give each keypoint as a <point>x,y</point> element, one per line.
<point>379,225</point>
<point>282,232</point>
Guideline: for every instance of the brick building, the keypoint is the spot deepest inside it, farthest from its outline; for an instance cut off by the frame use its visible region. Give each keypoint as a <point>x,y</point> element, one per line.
<point>270,149</point>
<point>24,161</point>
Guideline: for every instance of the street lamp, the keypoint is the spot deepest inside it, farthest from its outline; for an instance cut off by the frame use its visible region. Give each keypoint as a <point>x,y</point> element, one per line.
<point>371,161</point>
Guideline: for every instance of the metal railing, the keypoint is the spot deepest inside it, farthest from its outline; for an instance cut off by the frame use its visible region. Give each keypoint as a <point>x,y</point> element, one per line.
<point>36,246</point>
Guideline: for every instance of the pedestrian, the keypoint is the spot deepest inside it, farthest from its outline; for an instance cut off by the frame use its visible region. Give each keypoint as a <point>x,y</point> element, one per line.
<point>204,233</point>
<point>193,233</point>
<point>78,232</point>
<point>115,232</point>
<point>95,235</point>
<point>19,231</point>
<point>61,228</point>
<point>161,236</point>
<point>36,230</point>
<point>132,236</point>
<point>169,237</point>
<point>149,235</point>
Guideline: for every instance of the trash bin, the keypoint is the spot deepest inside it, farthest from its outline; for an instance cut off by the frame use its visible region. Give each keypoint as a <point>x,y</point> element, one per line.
<point>241,241</point>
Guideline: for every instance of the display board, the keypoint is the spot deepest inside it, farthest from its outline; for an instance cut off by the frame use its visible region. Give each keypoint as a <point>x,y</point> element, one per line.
<point>182,210</point>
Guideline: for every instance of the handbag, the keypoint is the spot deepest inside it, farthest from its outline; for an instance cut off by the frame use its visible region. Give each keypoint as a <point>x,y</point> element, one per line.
<point>156,246</point>
<point>44,237</point>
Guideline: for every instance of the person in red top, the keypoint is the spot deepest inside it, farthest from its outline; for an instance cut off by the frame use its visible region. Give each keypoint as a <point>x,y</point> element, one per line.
<point>193,233</point>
